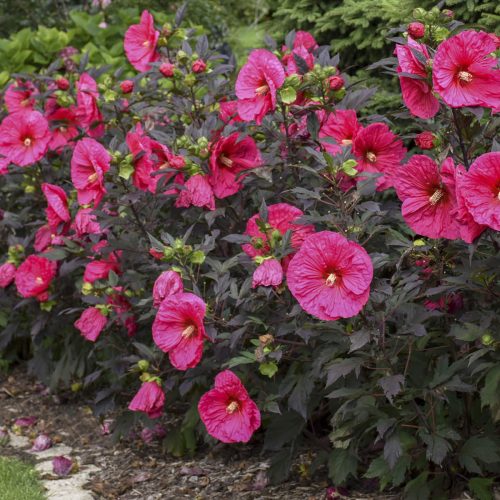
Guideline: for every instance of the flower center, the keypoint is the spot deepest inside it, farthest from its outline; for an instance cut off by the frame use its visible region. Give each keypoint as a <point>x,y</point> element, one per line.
<point>331,279</point>
<point>27,142</point>
<point>25,102</point>
<point>464,76</point>
<point>498,195</point>
<point>226,161</point>
<point>437,195</point>
<point>92,177</point>
<point>38,280</point>
<point>262,90</point>
<point>188,332</point>
<point>232,407</point>
<point>371,157</point>
<point>63,129</point>
<point>146,43</point>
<point>348,142</point>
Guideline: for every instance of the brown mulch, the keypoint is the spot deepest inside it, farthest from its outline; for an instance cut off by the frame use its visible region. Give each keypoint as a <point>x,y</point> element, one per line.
<point>137,470</point>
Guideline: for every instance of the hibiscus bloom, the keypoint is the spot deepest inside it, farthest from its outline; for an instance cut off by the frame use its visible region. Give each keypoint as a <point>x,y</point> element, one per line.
<point>34,276</point>
<point>91,323</point>
<point>178,329</point>
<point>86,223</point>
<point>57,210</point>
<point>428,197</point>
<point>24,137</point>
<point>305,39</point>
<point>464,71</point>
<point>150,399</point>
<point>229,158</point>
<point>417,92</point>
<point>63,122</point>
<point>257,83</point>
<point>269,273</point>
<point>281,217</point>
<point>89,163</point>
<point>198,192</point>
<point>340,125</point>
<point>149,158</point>
<point>7,274</point>
<point>468,227</point>
<point>168,283</point>
<point>122,308</point>
<point>288,60</point>
<point>228,112</point>
<point>227,410</point>
<point>377,149</point>
<point>330,276</point>
<point>87,110</point>
<point>44,238</point>
<point>480,188</point>
<point>20,97</point>
<point>140,43</point>
<point>100,269</point>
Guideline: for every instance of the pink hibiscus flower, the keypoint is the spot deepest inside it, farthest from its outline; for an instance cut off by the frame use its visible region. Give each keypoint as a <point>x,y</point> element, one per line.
<point>168,283</point>
<point>24,137</point>
<point>140,43</point>
<point>63,123</point>
<point>341,125</point>
<point>464,71</point>
<point>89,163</point>
<point>257,83</point>
<point>227,410</point>
<point>100,269</point>
<point>20,96</point>
<point>417,92</point>
<point>480,188</point>
<point>282,217</point>
<point>150,399</point>
<point>198,192</point>
<point>377,149</point>
<point>428,197</point>
<point>178,329</point>
<point>91,323</point>
<point>468,227</point>
<point>87,110</point>
<point>305,39</point>
<point>330,276</point>
<point>7,274</point>
<point>86,223</point>
<point>228,112</point>
<point>34,276</point>
<point>288,60</point>
<point>57,210</point>
<point>269,273</point>
<point>149,158</point>
<point>230,157</point>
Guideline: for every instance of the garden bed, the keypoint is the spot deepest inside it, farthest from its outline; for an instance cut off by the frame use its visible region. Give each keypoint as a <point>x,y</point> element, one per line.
<point>134,469</point>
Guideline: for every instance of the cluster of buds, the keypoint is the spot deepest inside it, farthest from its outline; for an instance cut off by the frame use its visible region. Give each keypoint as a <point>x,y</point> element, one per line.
<point>430,24</point>
<point>106,87</point>
<point>15,254</point>
<point>179,252</point>
<point>198,148</point>
<point>124,163</point>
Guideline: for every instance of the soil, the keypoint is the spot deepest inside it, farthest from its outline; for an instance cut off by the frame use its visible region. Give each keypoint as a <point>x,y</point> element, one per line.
<point>138,470</point>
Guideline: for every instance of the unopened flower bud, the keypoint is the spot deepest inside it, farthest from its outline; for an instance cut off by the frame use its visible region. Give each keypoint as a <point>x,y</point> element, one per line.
<point>416,30</point>
<point>62,83</point>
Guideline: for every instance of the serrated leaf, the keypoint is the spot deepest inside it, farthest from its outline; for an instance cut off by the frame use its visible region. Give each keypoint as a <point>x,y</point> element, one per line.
<point>342,464</point>
<point>392,385</point>
<point>481,487</point>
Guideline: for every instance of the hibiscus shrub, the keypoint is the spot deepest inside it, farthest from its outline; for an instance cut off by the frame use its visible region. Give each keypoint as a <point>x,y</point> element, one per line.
<point>315,279</point>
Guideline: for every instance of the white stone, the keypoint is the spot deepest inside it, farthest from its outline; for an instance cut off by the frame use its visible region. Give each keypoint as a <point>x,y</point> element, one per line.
<point>55,451</point>
<point>18,441</point>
